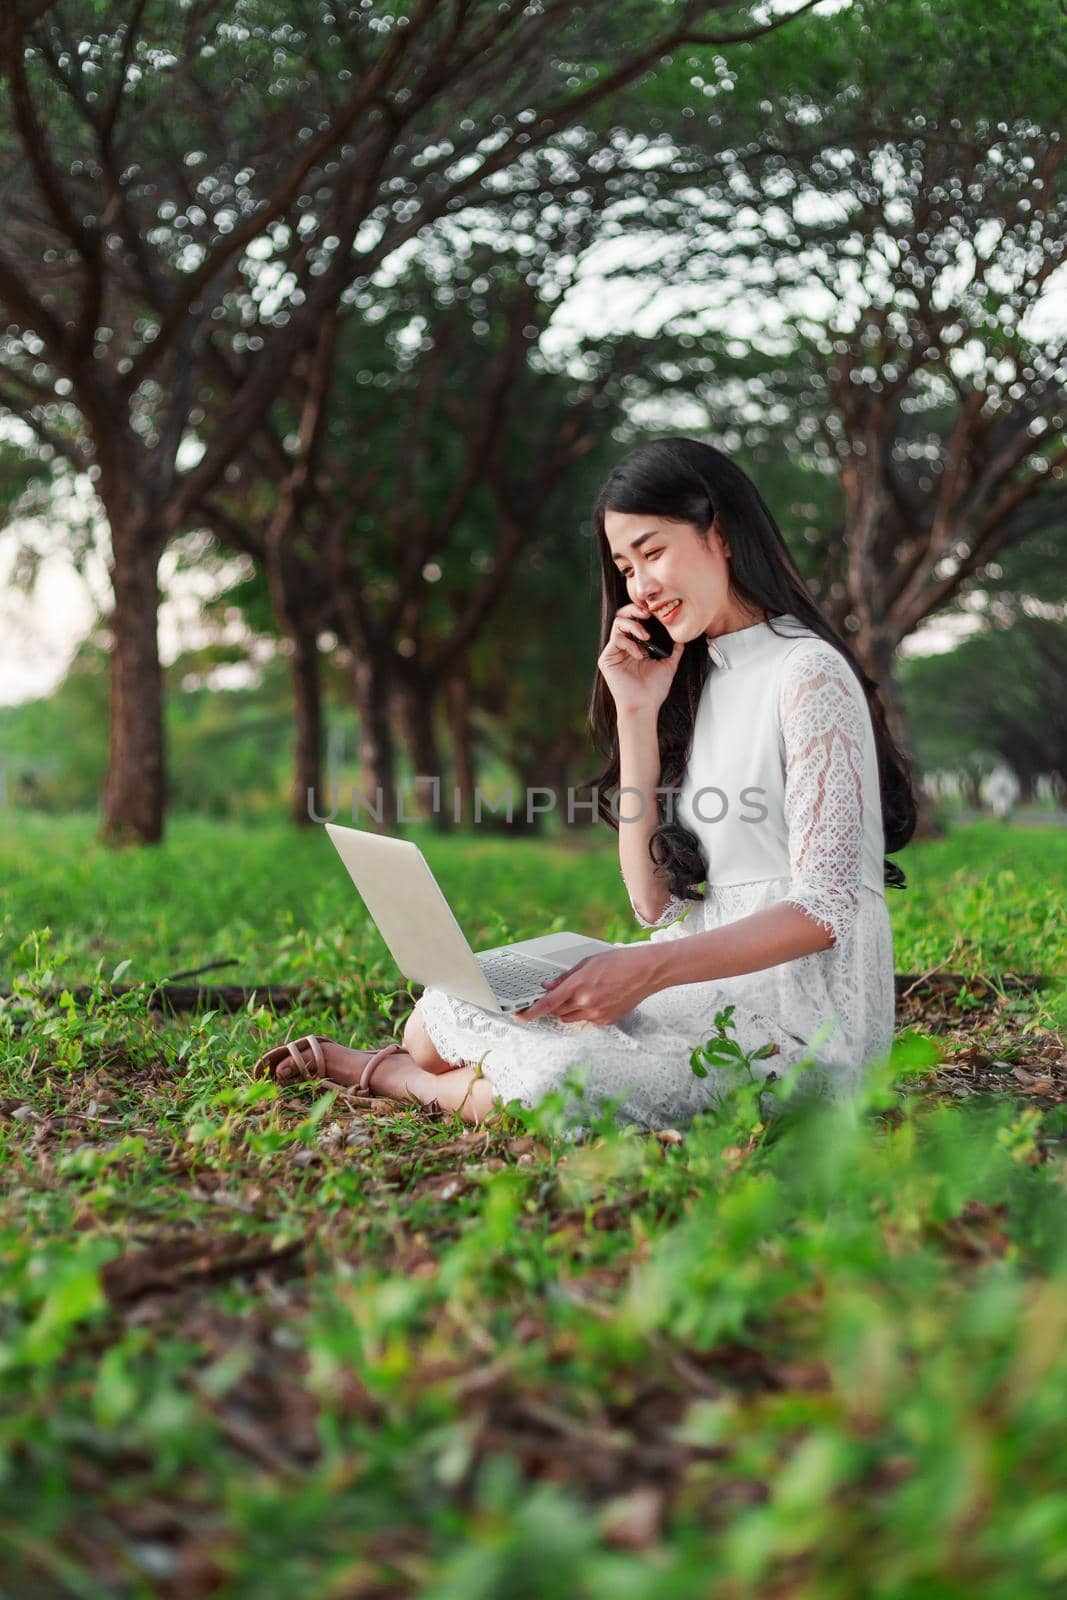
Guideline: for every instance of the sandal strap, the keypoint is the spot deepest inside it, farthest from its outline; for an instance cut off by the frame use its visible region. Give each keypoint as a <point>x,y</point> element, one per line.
<point>296,1050</point>
<point>379,1055</point>
<point>316,1051</point>
<point>295,1053</point>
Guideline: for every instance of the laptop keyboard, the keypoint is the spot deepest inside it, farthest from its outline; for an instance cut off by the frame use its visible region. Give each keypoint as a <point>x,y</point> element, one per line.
<point>509,979</point>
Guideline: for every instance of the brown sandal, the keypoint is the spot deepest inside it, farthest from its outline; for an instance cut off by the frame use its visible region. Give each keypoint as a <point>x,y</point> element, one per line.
<point>264,1067</point>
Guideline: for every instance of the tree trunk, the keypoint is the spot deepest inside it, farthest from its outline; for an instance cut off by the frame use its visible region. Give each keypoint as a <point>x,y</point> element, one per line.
<point>457,704</point>
<point>307,714</point>
<point>134,793</point>
<point>875,653</point>
<point>538,771</point>
<point>377,756</point>
<point>415,707</point>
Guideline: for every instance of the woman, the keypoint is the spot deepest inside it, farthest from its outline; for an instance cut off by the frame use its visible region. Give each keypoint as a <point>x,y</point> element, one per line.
<point>768,742</point>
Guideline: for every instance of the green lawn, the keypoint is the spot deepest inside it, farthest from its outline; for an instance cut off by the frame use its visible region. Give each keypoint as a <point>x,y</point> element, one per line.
<point>987,898</point>
<point>261,1344</point>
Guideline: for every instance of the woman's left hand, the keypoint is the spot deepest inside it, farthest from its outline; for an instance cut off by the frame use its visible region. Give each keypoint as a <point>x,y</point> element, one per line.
<point>599,988</point>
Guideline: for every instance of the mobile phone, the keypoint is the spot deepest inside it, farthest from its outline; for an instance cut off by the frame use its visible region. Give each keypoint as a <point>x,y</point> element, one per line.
<point>659,644</point>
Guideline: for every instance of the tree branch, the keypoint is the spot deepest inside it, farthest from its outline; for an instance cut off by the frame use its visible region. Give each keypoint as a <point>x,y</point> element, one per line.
<point>283,195</point>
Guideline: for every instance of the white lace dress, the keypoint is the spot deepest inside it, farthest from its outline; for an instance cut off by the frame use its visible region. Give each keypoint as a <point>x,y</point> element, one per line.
<point>782,790</point>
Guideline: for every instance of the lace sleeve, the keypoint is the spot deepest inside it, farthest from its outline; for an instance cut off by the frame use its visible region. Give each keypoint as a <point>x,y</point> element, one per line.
<point>823,720</point>
<point>675,909</point>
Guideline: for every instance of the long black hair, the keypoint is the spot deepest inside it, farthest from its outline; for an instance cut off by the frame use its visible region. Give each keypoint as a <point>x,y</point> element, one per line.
<point>686,481</point>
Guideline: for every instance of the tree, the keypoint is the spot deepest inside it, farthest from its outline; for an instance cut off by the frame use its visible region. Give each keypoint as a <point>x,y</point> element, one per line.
<point>1001,694</point>
<point>164,170</point>
<point>913,175</point>
<point>430,436</point>
<point>448,449</point>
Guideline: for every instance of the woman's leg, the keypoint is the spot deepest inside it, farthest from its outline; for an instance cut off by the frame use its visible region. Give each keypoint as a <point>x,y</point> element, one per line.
<point>455,1087</point>
<point>345,1066</point>
<point>417,1043</point>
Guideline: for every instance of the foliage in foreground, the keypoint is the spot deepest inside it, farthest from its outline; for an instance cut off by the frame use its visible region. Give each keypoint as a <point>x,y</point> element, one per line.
<point>256,1342</point>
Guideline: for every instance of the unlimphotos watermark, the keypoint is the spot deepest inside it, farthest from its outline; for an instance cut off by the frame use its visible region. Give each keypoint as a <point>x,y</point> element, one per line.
<point>708,805</point>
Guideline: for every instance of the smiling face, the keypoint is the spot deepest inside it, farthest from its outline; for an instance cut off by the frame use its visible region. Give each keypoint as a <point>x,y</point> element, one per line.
<point>663,561</point>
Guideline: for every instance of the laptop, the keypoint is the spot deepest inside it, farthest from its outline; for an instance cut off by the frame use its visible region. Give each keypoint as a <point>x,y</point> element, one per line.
<point>428,944</point>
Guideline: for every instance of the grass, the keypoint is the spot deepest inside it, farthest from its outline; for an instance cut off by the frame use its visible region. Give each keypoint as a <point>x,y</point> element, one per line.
<point>256,1343</point>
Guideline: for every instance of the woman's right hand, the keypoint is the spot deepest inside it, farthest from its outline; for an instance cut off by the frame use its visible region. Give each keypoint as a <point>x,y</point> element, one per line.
<point>637,683</point>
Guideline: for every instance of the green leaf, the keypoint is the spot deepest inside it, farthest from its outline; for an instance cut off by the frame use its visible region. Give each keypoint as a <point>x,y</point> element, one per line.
<point>76,1296</point>
<point>723,1050</point>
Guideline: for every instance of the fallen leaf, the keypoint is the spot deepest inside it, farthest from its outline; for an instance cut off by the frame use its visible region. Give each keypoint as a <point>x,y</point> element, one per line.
<point>633,1521</point>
